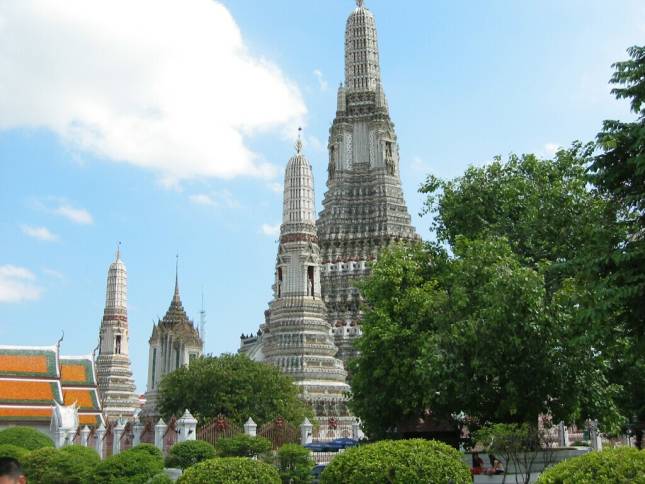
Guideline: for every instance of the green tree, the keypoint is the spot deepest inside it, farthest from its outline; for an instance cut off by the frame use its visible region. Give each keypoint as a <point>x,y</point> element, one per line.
<point>234,386</point>
<point>188,453</point>
<point>295,464</point>
<point>230,470</point>
<point>619,171</point>
<point>242,446</point>
<point>476,332</point>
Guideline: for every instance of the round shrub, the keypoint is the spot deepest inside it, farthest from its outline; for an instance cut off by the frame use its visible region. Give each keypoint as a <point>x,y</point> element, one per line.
<point>230,470</point>
<point>25,437</point>
<point>295,464</point>
<point>398,461</point>
<point>188,453</point>
<point>161,478</point>
<point>13,451</point>
<point>70,465</point>
<point>242,446</point>
<point>149,449</point>
<point>134,466</point>
<point>613,466</point>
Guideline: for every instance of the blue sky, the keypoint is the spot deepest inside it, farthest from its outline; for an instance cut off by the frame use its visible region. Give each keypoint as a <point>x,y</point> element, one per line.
<point>167,126</point>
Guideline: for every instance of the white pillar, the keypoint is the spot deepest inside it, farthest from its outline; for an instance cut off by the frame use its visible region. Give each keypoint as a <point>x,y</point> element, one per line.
<point>61,435</point>
<point>187,426</point>
<point>118,432</point>
<point>563,435</point>
<point>594,435</point>
<point>160,430</point>
<point>137,430</point>
<point>356,430</point>
<point>306,432</point>
<point>85,433</point>
<point>250,427</point>
<point>100,433</point>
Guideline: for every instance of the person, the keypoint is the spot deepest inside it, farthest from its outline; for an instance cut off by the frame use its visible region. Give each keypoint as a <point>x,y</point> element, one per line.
<point>11,472</point>
<point>498,468</point>
<point>478,464</point>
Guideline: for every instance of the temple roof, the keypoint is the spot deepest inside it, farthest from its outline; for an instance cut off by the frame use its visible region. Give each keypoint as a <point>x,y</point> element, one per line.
<point>77,371</point>
<point>29,361</point>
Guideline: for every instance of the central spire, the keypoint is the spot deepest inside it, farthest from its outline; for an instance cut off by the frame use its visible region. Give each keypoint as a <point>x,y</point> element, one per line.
<point>362,69</point>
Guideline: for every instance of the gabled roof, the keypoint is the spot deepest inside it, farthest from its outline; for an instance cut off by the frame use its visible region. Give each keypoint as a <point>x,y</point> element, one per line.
<point>86,398</point>
<point>77,371</point>
<point>24,391</point>
<point>29,361</point>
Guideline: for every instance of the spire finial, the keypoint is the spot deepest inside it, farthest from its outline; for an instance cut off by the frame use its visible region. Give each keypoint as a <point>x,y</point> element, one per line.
<point>118,250</point>
<point>359,3</point>
<point>299,142</point>
<point>177,272</point>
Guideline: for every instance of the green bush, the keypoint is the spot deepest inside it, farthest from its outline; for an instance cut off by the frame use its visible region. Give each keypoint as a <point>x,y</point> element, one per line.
<point>242,446</point>
<point>25,437</point>
<point>398,461</point>
<point>615,466</point>
<point>188,453</point>
<point>295,464</point>
<point>134,466</point>
<point>160,478</point>
<point>70,465</point>
<point>149,449</point>
<point>13,451</point>
<point>230,470</point>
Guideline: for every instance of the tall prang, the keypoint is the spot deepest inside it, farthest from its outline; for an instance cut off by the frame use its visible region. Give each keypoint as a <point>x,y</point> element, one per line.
<point>115,383</point>
<point>297,337</point>
<point>363,209</point>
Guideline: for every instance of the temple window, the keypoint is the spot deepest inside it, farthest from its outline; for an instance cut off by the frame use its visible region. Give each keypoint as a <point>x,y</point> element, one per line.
<point>310,281</point>
<point>279,281</point>
<point>117,344</point>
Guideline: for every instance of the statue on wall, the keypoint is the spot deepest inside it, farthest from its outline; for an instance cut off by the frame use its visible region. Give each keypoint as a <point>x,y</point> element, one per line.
<point>389,159</point>
<point>332,162</point>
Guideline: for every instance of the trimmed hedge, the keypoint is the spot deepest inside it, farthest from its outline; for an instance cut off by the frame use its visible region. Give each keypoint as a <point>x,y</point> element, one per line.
<point>13,451</point>
<point>70,465</point>
<point>149,449</point>
<point>25,437</point>
<point>160,478</point>
<point>414,461</point>
<point>242,446</point>
<point>295,464</point>
<point>134,466</point>
<point>188,453</point>
<point>230,470</point>
<point>614,466</point>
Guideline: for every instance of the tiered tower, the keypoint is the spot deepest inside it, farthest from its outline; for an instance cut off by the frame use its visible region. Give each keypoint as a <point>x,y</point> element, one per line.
<point>115,382</point>
<point>363,209</point>
<point>297,337</point>
<point>174,343</point>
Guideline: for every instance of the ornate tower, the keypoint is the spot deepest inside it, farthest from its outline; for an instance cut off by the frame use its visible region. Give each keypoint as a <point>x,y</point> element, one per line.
<point>363,209</point>
<point>115,382</point>
<point>297,337</point>
<point>174,343</point>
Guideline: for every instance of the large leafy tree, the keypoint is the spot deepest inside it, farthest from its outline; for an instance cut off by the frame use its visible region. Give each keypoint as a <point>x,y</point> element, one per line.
<point>619,171</point>
<point>234,386</point>
<point>475,332</point>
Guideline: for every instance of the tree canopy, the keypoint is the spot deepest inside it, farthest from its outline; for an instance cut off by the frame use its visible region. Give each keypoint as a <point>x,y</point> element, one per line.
<point>234,386</point>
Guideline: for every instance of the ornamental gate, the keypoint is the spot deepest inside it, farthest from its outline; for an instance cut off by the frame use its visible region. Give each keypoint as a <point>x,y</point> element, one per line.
<point>332,429</point>
<point>148,434</point>
<point>218,428</point>
<point>170,436</point>
<point>127,437</point>
<point>280,432</point>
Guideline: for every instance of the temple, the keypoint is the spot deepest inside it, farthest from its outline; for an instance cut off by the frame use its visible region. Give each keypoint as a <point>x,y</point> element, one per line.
<point>174,343</point>
<point>297,337</point>
<point>52,393</point>
<point>116,385</point>
<point>363,210</point>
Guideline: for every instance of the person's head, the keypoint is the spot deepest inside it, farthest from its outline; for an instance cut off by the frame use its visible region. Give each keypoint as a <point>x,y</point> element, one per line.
<point>11,472</point>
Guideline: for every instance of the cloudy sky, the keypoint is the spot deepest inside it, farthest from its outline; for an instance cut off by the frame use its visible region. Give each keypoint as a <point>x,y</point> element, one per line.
<point>166,125</point>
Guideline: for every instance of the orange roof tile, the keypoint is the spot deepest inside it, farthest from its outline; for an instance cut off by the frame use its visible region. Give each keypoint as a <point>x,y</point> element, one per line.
<point>86,398</point>
<point>29,392</point>
<point>24,414</point>
<point>40,362</point>
<point>77,371</point>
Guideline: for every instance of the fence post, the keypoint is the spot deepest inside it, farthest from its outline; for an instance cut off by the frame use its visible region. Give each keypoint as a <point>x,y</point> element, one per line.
<point>100,433</point>
<point>594,435</point>
<point>137,430</point>
<point>306,431</point>
<point>160,430</point>
<point>116,442</point>
<point>187,426</point>
<point>356,430</point>
<point>85,433</point>
<point>251,428</point>
<point>563,435</point>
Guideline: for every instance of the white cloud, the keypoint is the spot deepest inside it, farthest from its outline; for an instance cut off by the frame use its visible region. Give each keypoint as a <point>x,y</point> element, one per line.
<point>166,85</point>
<point>270,230</point>
<point>53,273</point>
<point>551,148</point>
<point>40,233</point>
<point>76,215</point>
<point>17,284</point>
<point>223,198</point>
<point>322,82</point>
